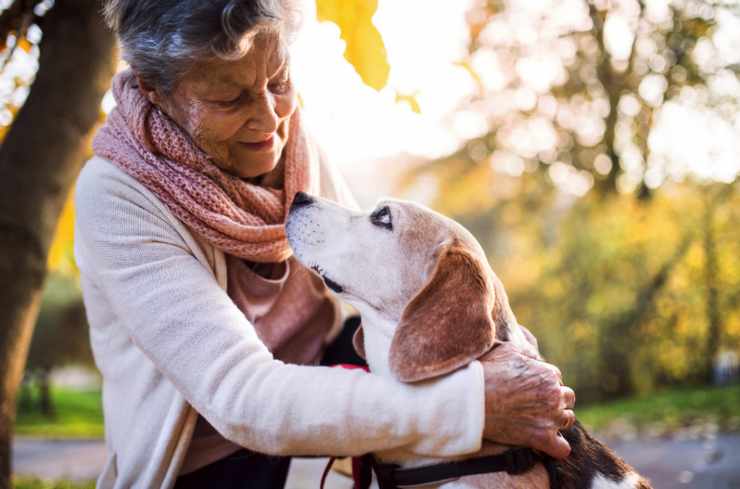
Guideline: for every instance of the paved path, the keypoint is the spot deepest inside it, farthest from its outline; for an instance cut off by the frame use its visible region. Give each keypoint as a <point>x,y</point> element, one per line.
<point>83,459</point>
<point>712,463</point>
<point>51,459</point>
<point>671,464</point>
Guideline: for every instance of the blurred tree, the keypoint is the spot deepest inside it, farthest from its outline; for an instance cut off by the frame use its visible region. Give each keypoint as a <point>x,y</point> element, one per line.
<point>60,336</point>
<point>712,201</point>
<point>574,87</point>
<point>618,334</point>
<point>40,156</point>
<point>625,293</point>
<point>619,298</point>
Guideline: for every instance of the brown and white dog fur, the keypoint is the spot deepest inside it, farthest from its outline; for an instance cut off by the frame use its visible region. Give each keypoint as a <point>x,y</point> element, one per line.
<point>430,304</point>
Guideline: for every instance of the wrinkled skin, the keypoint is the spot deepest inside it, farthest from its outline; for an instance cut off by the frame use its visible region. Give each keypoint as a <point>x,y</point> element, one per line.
<point>526,403</point>
<point>237,111</point>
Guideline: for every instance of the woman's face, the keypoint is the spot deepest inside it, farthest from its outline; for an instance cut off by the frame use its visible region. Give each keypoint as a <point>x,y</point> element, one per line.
<point>238,111</point>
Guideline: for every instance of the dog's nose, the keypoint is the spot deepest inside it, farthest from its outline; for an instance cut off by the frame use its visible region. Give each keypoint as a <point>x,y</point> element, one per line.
<point>301,199</point>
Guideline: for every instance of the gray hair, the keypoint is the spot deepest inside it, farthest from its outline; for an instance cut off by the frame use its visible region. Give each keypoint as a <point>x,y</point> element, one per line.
<point>161,39</point>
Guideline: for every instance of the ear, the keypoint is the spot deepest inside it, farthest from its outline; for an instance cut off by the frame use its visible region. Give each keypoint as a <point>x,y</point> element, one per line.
<point>358,341</point>
<point>448,324</point>
<point>148,91</point>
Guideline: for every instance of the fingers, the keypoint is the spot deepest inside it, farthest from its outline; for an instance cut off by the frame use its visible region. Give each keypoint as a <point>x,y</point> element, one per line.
<point>567,419</point>
<point>568,398</point>
<point>554,445</point>
<point>558,374</point>
<point>529,336</point>
<point>498,350</point>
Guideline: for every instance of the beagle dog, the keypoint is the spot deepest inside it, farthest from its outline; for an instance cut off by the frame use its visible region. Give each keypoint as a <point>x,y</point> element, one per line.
<point>431,304</point>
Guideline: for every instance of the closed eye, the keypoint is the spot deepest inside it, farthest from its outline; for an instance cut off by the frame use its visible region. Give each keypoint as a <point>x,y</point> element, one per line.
<point>382,218</point>
<point>228,103</point>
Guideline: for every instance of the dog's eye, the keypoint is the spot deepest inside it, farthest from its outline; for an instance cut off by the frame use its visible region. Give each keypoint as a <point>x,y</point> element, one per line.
<point>382,218</point>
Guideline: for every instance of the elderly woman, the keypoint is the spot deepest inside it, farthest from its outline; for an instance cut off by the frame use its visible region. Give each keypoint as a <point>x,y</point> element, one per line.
<point>206,331</point>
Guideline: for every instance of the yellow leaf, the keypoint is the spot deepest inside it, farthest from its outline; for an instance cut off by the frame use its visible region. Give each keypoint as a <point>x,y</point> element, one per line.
<point>409,98</point>
<point>61,252</point>
<point>364,45</point>
<point>465,65</point>
<point>25,45</point>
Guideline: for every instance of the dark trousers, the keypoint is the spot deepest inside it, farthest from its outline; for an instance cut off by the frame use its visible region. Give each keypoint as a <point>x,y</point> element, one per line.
<point>246,469</point>
<point>243,469</point>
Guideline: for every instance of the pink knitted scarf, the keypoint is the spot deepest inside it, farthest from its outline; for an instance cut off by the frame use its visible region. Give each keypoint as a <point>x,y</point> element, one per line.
<point>238,217</point>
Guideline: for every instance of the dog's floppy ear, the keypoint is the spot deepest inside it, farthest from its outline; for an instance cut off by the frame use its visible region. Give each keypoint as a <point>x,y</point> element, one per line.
<point>448,324</point>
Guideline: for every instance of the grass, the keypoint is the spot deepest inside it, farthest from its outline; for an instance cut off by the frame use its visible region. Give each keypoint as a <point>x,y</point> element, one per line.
<point>79,414</point>
<point>669,410</point>
<point>34,483</point>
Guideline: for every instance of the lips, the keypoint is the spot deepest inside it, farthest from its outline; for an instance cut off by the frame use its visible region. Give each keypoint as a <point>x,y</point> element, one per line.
<point>329,282</point>
<point>261,145</point>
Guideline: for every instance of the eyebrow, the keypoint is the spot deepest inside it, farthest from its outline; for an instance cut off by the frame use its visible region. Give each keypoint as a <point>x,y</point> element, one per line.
<point>223,81</point>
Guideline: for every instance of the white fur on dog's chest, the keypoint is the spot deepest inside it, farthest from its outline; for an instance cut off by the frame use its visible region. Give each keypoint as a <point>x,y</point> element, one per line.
<point>378,335</point>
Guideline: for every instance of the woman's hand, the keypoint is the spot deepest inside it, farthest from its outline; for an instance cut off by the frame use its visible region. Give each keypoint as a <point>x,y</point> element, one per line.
<point>526,403</point>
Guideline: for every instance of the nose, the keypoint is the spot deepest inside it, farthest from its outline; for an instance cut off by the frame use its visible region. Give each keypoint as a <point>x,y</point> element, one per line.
<point>264,118</point>
<point>301,199</point>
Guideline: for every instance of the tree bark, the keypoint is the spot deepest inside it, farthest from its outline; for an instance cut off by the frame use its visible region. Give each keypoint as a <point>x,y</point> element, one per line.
<point>45,402</point>
<point>25,401</point>
<point>39,160</point>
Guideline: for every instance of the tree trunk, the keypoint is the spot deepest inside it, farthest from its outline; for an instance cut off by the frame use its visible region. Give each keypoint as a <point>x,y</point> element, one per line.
<point>25,401</point>
<point>45,403</point>
<point>39,160</point>
<point>618,336</point>
<point>714,318</point>
<point>612,86</point>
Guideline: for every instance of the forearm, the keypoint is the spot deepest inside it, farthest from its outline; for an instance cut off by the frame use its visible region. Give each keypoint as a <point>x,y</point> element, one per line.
<point>320,411</point>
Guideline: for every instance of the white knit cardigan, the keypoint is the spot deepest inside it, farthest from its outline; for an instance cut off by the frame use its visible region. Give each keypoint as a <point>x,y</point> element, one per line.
<point>170,344</point>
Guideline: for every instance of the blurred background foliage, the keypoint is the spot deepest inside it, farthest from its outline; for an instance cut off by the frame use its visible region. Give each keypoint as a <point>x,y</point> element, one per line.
<point>626,267</point>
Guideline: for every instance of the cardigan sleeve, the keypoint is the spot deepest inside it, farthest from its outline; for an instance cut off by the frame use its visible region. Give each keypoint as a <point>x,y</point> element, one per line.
<point>178,316</point>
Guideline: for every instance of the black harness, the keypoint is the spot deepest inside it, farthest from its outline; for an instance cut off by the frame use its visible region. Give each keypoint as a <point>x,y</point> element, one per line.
<point>515,461</point>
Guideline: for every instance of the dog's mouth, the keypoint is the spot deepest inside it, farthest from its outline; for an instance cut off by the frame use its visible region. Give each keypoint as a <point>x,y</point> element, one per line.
<point>329,282</point>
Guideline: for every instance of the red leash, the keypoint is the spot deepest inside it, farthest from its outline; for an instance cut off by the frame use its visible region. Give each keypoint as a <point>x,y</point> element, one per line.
<point>328,468</point>
<point>362,474</point>
<point>361,470</point>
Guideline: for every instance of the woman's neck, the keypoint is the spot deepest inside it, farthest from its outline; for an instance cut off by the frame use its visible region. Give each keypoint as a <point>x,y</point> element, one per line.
<point>272,179</point>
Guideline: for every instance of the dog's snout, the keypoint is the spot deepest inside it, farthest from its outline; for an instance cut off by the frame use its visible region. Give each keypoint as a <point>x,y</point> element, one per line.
<point>301,199</point>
